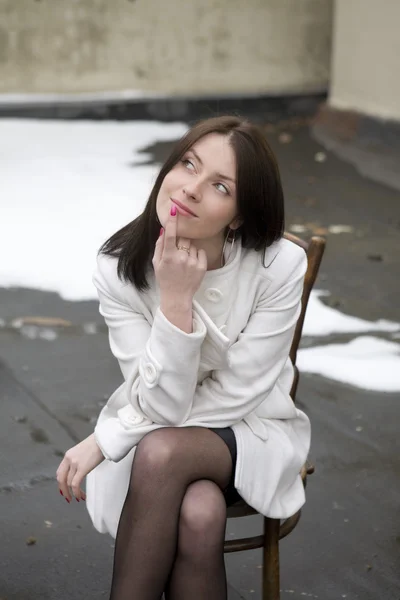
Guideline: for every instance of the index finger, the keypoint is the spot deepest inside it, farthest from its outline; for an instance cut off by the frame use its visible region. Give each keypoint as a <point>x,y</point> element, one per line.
<point>62,475</point>
<point>170,232</point>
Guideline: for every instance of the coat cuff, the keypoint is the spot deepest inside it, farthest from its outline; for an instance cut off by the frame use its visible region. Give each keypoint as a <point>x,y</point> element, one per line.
<point>114,440</point>
<point>168,348</point>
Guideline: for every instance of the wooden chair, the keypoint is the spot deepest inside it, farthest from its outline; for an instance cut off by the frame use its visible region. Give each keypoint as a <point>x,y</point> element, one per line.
<point>274,530</point>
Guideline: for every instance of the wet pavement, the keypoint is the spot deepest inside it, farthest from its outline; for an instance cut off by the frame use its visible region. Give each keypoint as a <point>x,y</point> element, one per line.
<point>54,380</point>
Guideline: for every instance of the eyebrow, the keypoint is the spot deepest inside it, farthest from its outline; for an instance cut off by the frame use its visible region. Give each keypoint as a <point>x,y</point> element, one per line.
<point>219,175</point>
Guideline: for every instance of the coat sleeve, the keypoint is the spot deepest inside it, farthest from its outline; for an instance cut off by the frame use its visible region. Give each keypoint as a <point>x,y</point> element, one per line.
<point>159,361</point>
<point>257,358</point>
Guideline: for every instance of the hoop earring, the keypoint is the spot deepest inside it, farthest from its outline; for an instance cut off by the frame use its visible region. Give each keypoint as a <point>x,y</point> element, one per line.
<point>231,232</point>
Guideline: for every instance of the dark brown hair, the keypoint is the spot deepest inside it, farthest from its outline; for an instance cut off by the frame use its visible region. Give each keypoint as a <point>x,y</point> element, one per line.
<point>259,198</point>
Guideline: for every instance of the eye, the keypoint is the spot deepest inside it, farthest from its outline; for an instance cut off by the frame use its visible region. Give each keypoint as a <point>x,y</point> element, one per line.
<point>188,164</point>
<point>222,188</point>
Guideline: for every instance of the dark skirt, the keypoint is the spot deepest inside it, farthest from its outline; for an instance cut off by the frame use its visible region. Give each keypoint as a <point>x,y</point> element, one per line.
<point>226,433</point>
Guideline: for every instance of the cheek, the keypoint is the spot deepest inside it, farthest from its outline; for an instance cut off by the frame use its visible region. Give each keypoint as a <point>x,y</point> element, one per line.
<point>171,180</point>
<point>165,192</point>
<point>221,211</point>
<point>165,184</point>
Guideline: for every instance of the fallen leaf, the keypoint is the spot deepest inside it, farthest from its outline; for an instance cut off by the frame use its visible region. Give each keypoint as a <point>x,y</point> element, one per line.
<point>40,321</point>
<point>31,541</point>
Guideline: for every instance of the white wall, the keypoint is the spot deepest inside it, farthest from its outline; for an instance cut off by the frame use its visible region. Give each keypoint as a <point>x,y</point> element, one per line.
<point>366,57</point>
<point>171,47</point>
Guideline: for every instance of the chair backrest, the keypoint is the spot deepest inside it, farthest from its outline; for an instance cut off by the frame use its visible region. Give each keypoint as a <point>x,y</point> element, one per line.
<point>314,249</point>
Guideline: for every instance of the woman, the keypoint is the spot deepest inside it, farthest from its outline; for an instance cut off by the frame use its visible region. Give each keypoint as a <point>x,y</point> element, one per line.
<point>201,317</point>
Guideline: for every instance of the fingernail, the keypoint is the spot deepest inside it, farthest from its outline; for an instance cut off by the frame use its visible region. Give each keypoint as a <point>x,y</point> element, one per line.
<point>61,493</point>
<point>77,499</point>
<point>173,210</point>
<point>161,230</point>
<point>67,500</point>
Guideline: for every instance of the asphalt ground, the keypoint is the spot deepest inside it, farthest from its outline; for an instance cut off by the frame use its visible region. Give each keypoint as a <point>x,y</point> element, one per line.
<point>347,544</point>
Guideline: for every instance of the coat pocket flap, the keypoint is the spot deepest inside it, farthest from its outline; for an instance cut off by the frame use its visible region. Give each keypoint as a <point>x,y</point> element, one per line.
<point>257,426</point>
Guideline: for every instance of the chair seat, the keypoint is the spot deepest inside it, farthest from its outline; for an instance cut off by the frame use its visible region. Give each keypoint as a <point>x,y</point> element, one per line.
<point>240,509</point>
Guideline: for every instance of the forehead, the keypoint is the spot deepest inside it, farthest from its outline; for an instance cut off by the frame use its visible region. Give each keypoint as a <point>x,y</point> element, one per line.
<point>216,154</point>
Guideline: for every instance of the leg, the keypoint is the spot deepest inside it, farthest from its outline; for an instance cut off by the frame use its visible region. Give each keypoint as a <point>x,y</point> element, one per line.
<point>271,580</point>
<point>200,551</point>
<point>166,462</point>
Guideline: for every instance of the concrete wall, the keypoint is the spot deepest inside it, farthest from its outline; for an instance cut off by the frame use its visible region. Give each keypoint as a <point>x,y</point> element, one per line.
<point>366,57</point>
<point>164,46</point>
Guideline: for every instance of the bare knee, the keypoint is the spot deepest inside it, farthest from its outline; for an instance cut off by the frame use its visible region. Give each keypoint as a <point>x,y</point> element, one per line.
<point>202,518</point>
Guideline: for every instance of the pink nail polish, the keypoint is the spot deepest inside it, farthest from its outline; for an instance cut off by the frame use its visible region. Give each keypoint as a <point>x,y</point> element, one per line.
<point>173,210</point>
<point>77,499</point>
<point>67,500</point>
<point>61,493</point>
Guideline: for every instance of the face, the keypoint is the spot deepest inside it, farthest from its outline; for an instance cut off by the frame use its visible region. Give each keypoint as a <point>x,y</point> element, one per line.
<point>204,183</point>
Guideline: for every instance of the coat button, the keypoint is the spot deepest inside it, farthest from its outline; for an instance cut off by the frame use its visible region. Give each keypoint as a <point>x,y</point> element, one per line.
<point>129,416</point>
<point>213,295</point>
<point>150,373</point>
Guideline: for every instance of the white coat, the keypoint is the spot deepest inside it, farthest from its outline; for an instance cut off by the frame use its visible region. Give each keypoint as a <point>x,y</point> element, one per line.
<point>232,370</point>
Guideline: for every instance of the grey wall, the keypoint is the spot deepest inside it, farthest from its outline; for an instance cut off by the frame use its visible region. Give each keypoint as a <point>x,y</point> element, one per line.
<point>161,46</point>
<point>366,57</point>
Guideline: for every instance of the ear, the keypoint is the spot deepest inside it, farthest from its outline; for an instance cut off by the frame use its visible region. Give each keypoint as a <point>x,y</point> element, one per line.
<point>236,223</point>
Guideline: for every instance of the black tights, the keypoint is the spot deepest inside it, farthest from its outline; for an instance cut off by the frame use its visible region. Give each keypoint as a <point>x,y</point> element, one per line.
<point>172,528</point>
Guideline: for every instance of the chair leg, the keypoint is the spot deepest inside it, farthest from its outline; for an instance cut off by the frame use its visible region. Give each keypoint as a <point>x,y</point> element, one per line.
<point>271,579</point>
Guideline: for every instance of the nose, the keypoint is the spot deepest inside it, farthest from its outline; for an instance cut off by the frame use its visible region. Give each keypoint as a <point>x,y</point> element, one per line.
<point>193,190</point>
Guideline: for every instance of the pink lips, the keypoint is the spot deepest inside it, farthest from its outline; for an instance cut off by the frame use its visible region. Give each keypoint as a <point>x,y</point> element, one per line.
<point>182,209</point>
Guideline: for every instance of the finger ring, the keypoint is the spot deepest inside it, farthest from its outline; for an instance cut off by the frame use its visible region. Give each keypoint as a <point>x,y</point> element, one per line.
<point>184,248</point>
